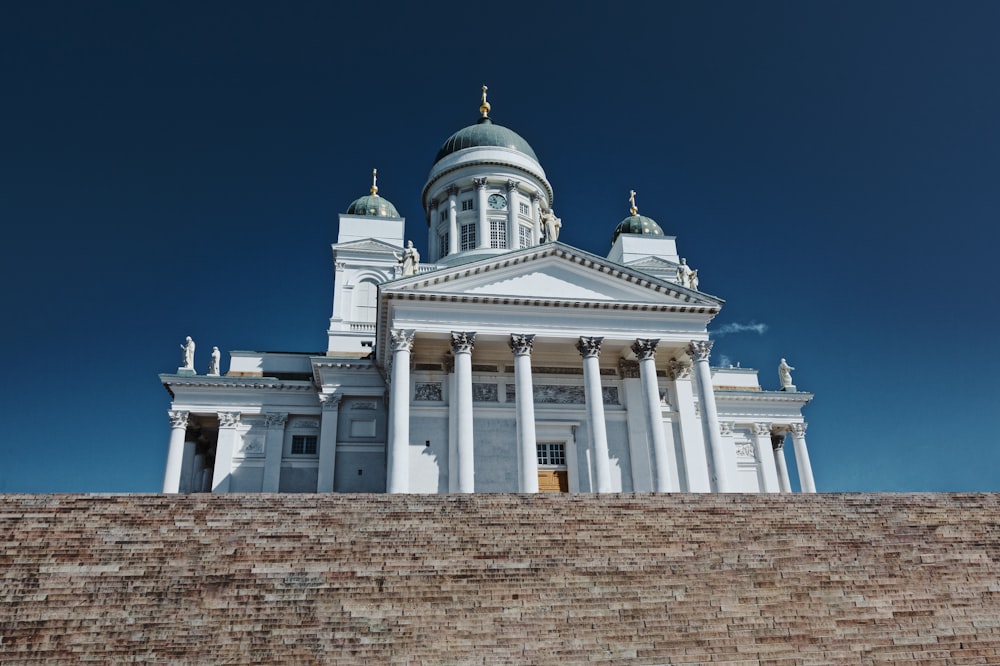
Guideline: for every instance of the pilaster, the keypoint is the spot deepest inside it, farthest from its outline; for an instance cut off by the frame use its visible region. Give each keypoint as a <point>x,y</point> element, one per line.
<point>222,475</point>
<point>328,442</point>
<point>274,444</point>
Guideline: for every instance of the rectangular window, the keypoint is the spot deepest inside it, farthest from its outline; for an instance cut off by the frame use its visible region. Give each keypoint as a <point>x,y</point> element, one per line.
<point>467,204</point>
<point>498,234</point>
<point>523,207</point>
<point>469,236</point>
<point>304,445</point>
<point>443,244</point>
<point>552,454</point>
<point>524,235</point>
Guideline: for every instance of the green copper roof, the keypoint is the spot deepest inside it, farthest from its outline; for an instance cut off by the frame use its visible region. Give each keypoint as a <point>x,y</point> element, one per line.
<point>373,205</point>
<point>637,224</point>
<point>484,133</point>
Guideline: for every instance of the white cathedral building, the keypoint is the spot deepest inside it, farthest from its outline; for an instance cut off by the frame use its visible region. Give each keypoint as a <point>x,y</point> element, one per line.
<point>505,362</point>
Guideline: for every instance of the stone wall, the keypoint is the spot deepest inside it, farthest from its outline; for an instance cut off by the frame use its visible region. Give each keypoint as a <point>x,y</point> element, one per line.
<point>501,579</point>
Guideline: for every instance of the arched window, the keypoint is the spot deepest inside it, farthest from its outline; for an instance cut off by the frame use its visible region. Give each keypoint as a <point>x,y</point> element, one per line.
<point>364,303</point>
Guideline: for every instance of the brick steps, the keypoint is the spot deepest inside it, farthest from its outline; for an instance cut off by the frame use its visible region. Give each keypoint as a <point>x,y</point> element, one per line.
<point>501,579</point>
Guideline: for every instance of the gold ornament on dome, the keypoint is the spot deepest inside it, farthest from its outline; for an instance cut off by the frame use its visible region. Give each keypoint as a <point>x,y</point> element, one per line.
<point>484,108</point>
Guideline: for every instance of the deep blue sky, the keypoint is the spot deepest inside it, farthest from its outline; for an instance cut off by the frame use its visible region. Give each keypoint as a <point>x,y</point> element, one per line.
<point>832,170</point>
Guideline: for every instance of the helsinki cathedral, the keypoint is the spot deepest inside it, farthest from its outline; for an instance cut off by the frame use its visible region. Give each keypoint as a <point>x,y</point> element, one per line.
<point>505,361</point>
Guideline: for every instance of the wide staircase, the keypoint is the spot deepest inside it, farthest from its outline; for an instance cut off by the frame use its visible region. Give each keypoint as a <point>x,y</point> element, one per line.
<point>500,579</point>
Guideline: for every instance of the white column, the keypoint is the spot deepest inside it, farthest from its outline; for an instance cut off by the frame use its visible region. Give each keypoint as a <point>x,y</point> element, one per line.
<point>765,454</point>
<point>432,225</point>
<point>798,433</point>
<point>524,401</point>
<point>700,351</point>
<point>536,225</point>
<point>645,352</point>
<point>513,237</point>
<point>484,222</point>
<point>222,475</point>
<point>692,434</point>
<point>590,349</point>
<point>453,235</point>
<point>274,446</point>
<point>328,443</point>
<point>462,344</point>
<point>398,453</point>
<point>777,444</point>
<point>175,454</point>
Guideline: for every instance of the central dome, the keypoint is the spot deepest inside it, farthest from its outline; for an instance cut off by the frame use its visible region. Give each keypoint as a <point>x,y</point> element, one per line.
<point>484,133</point>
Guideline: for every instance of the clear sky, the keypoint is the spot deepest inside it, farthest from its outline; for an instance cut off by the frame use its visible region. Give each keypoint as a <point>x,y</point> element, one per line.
<point>831,168</point>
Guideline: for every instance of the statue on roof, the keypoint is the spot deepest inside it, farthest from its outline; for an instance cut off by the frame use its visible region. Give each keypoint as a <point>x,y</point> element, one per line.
<point>410,259</point>
<point>550,225</point>
<point>188,348</point>
<point>785,376</point>
<point>213,364</point>
<point>684,275</point>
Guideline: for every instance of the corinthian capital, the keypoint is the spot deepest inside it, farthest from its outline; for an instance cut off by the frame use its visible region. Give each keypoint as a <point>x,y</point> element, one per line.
<point>480,183</point>
<point>229,419</point>
<point>452,190</point>
<point>178,418</point>
<point>331,401</point>
<point>645,349</point>
<point>700,350</point>
<point>462,342</point>
<point>512,185</point>
<point>275,420</point>
<point>401,339</point>
<point>521,344</point>
<point>799,429</point>
<point>679,369</point>
<point>762,429</point>
<point>589,347</point>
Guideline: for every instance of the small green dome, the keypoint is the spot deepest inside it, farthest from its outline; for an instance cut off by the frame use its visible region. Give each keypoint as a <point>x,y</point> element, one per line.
<point>484,133</point>
<point>373,205</point>
<point>637,224</point>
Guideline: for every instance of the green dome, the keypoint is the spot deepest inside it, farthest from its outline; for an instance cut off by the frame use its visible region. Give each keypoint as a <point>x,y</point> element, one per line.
<point>373,205</point>
<point>484,133</point>
<point>637,224</point>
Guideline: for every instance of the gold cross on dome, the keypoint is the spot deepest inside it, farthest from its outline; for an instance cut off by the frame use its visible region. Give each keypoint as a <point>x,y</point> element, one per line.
<point>374,182</point>
<point>631,201</point>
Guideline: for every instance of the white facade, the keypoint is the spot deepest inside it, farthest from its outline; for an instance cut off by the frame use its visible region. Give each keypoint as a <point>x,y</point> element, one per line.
<point>509,362</point>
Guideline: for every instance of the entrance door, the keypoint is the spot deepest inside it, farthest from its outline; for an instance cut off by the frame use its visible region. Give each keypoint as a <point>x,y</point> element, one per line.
<point>552,474</point>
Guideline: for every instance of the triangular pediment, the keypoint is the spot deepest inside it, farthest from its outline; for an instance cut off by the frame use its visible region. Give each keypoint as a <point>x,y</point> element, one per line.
<point>366,245</point>
<point>653,262</point>
<point>551,273</point>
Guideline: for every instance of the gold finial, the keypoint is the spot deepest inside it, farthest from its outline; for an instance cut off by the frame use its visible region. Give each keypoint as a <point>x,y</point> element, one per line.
<point>631,200</point>
<point>374,182</point>
<point>484,108</point>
